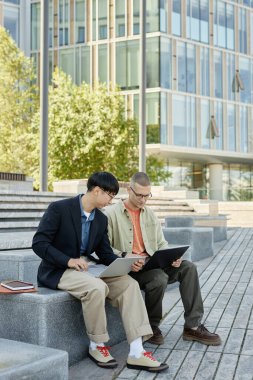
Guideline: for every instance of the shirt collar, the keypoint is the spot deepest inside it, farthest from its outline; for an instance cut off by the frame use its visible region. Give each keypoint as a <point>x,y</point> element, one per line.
<point>124,209</point>
<point>92,214</point>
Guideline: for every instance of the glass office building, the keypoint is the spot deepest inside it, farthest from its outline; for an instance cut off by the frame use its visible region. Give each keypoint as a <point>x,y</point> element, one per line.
<point>199,98</point>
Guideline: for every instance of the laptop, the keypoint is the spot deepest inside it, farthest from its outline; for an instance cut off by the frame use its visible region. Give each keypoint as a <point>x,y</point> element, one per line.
<point>118,267</point>
<point>163,257</point>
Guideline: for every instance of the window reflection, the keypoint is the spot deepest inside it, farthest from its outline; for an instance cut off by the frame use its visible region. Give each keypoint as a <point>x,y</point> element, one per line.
<point>11,22</point>
<point>224,24</point>
<point>102,63</point>
<point>231,126</point>
<point>205,121</point>
<point>186,65</point>
<point>120,22</point>
<point>244,128</point>
<point>204,72</point>
<point>230,66</point>
<point>198,20</point>
<point>242,31</point>
<point>218,74</point>
<point>218,109</point>
<point>176,17</point>
<point>165,62</point>
<point>245,74</point>
<point>80,21</point>
<point>184,121</point>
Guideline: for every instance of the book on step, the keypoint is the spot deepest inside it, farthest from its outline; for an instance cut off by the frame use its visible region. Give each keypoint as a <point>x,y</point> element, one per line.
<point>17,285</point>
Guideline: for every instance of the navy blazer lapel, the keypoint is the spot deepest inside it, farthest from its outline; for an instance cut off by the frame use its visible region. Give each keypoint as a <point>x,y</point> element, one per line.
<point>76,216</point>
<point>93,233</point>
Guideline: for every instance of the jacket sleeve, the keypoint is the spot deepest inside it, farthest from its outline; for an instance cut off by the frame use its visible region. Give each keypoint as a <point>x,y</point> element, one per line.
<point>110,235</point>
<point>44,237</point>
<point>161,242</point>
<point>104,250</point>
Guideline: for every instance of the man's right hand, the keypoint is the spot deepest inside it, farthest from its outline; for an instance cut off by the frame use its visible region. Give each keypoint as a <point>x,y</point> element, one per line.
<point>78,264</point>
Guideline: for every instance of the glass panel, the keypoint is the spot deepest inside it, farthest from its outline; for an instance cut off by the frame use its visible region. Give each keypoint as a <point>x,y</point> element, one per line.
<point>184,121</point>
<point>205,124</point>
<point>218,74</point>
<point>176,17</point>
<point>121,64</point>
<point>152,62</point>
<point>186,67</point>
<point>230,27</point>
<point>231,127</point>
<point>120,22</point>
<point>63,22</point>
<point>242,31</point>
<point>245,74</point>
<point>244,129</point>
<point>85,64</point>
<point>204,72</point>
<point>12,1</point>
<point>80,21</point>
<point>35,26</point>
<point>152,118</point>
<point>11,22</point>
<point>152,24</point>
<point>51,24</point>
<point>102,63</point>
<point>230,63</point>
<point>163,118</point>
<point>221,24</point>
<point>204,21</point>
<point>191,69</point>
<point>193,17</point>
<point>136,17</point>
<point>164,16</point>
<point>102,19</point>
<point>165,62</point>
<point>127,64</point>
<point>51,64</point>
<point>218,109</point>
<point>181,66</point>
<point>67,62</point>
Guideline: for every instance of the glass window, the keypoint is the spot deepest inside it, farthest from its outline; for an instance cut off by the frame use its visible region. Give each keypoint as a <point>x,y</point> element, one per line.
<point>127,64</point>
<point>245,75</point>
<point>35,26</point>
<point>152,22</point>
<point>198,20</point>
<point>164,16</point>
<point>163,118</point>
<point>242,31</point>
<point>67,62</point>
<point>204,72</point>
<point>120,21</point>
<point>224,24</point>
<point>205,124</point>
<point>184,121</point>
<point>165,62</point>
<point>218,74</point>
<point>176,17</point>
<point>218,110</point>
<point>13,1</point>
<point>230,65</point>
<point>102,19</point>
<point>244,129</point>
<point>11,22</point>
<point>231,127</point>
<point>136,16</point>
<point>63,22</point>
<point>251,32</point>
<point>102,63</point>
<point>80,21</point>
<point>204,21</point>
<point>51,24</point>
<point>186,56</point>
<point>230,27</point>
<point>83,64</point>
<point>152,62</point>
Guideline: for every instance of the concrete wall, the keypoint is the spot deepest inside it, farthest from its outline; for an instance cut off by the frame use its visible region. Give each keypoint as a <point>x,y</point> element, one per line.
<point>26,185</point>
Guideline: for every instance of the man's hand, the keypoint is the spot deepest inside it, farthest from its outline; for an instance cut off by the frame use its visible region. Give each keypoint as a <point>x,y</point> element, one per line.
<point>137,265</point>
<point>78,264</point>
<point>177,263</point>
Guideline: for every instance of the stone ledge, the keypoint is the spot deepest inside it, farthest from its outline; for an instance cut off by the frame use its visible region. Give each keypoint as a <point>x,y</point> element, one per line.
<point>27,361</point>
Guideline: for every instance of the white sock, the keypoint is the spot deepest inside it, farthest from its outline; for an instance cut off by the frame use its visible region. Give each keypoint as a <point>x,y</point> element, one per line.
<point>94,345</point>
<point>136,348</point>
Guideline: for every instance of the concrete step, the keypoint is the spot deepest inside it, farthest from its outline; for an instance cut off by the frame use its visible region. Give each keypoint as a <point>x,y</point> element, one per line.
<point>19,264</point>
<point>10,240</point>
<point>25,215</point>
<point>28,361</point>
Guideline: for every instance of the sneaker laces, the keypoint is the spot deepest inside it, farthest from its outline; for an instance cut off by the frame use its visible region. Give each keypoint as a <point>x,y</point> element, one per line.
<point>202,328</point>
<point>104,350</point>
<point>148,354</point>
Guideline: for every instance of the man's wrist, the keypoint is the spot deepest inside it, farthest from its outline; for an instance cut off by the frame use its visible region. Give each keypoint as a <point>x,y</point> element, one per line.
<point>123,254</point>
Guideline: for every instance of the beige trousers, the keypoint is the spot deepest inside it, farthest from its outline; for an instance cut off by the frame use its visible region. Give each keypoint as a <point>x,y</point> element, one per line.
<point>122,292</point>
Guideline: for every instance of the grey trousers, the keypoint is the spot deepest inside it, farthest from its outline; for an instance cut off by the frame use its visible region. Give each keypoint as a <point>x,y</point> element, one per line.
<point>122,292</point>
<point>154,283</point>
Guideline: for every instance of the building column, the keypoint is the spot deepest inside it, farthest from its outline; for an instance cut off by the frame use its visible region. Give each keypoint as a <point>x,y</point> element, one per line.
<point>215,182</point>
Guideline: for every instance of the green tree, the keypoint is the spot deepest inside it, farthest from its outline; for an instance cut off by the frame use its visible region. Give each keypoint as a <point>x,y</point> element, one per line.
<point>18,103</point>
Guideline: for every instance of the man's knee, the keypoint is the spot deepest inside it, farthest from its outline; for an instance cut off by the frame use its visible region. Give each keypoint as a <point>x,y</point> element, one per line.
<point>189,268</point>
<point>99,290</point>
<point>159,280</point>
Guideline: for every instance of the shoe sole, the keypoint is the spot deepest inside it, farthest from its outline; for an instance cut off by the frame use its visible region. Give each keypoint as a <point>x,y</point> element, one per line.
<point>162,367</point>
<point>203,341</point>
<point>108,365</point>
<point>156,343</point>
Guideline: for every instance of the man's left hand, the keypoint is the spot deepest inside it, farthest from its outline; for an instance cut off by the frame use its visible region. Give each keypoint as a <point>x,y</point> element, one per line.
<point>137,265</point>
<point>177,263</point>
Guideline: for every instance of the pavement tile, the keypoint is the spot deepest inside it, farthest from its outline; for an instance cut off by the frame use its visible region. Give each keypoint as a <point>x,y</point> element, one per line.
<point>223,332</point>
<point>244,370</point>
<point>226,367</point>
<point>247,348</point>
<point>227,317</point>
<point>189,366</point>
<point>208,366</point>
<point>234,341</point>
<point>214,317</point>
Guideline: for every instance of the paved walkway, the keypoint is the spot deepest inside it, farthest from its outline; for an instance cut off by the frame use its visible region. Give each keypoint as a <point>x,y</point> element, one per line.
<point>227,289</point>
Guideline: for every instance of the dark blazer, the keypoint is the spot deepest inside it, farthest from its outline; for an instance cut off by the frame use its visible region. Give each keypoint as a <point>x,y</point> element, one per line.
<point>58,239</point>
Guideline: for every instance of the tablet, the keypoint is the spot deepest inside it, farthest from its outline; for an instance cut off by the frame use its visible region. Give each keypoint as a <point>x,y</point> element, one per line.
<point>164,257</point>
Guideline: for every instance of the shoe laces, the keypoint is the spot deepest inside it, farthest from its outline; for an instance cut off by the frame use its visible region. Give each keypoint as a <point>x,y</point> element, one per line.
<point>148,354</point>
<point>104,350</point>
<point>202,328</point>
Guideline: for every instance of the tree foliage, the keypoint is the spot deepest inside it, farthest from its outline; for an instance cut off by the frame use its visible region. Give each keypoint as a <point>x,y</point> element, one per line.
<point>18,102</point>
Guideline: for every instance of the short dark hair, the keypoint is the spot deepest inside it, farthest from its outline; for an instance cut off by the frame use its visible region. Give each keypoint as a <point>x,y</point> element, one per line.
<point>105,181</point>
<point>141,178</point>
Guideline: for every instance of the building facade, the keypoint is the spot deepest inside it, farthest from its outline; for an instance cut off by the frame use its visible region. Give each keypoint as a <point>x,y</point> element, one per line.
<point>199,98</point>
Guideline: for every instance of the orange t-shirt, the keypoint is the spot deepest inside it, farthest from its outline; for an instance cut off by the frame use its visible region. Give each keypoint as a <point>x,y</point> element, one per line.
<point>138,244</point>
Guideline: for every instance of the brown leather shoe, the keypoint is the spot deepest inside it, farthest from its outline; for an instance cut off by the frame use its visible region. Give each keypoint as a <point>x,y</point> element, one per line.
<point>157,337</point>
<point>202,335</point>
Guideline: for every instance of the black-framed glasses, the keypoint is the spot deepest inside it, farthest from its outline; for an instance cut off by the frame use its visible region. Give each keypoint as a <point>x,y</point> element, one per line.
<point>140,196</point>
<point>106,192</point>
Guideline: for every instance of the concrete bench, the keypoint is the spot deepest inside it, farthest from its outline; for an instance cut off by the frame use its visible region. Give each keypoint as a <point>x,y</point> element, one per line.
<point>199,239</point>
<point>52,318</point>
<point>27,361</point>
<point>19,264</point>
<point>217,222</point>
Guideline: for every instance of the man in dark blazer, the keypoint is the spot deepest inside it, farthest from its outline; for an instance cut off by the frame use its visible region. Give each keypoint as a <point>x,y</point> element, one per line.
<point>70,231</point>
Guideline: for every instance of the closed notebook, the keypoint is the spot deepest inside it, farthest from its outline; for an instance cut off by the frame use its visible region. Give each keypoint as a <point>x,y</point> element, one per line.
<point>164,257</point>
<point>17,285</point>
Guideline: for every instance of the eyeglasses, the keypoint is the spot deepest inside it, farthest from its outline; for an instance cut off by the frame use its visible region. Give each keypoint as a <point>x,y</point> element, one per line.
<point>111,196</point>
<point>140,196</point>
